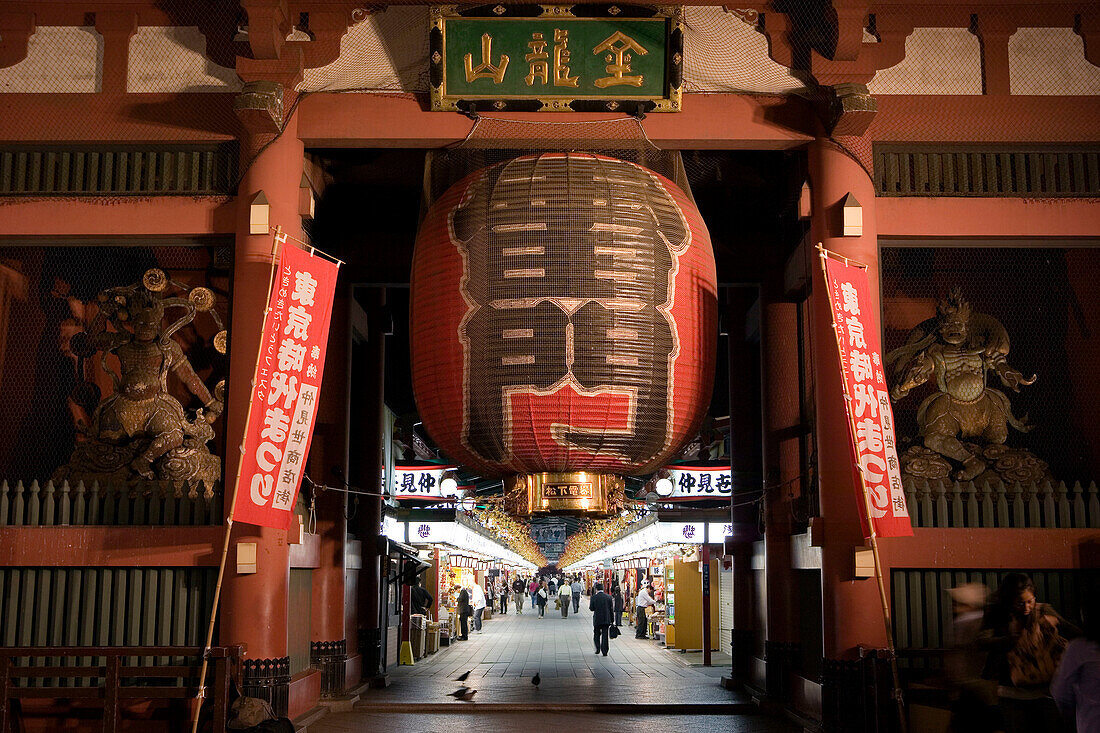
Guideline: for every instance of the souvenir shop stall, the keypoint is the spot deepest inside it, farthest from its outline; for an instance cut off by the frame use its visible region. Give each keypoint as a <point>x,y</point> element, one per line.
<point>666,554</point>
<point>459,554</point>
<point>683,595</point>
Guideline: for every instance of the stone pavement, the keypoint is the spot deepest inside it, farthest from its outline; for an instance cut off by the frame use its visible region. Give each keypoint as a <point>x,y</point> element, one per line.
<point>518,646</point>
<point>518,720</point>
<point>638,685</point>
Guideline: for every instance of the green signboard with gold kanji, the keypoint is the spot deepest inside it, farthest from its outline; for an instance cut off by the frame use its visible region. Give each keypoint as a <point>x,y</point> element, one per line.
<point>556,58</point>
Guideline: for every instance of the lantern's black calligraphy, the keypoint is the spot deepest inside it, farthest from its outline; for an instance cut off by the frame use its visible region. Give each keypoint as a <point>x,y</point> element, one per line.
<point>570,267</point>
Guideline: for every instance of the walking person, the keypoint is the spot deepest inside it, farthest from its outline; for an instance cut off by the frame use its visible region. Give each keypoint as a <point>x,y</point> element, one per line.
<point>464,613</point>
<point>533,589</point>
<point>1076,686</point>
<point>477,599</point>
<point>542,595</point>
<point>600,604</point>
<point>577,589</point>
<point>643,602</point>
<point>617,604</point>
<point>974,699</point>
<point>564,593</point>
<point>519,590</point>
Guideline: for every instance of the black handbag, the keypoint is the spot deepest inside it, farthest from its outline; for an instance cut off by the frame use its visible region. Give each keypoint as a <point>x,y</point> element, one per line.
<point>613,632</point>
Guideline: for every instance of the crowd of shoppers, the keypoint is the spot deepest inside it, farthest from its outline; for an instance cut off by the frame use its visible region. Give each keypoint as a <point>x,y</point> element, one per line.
<point>564,592</point>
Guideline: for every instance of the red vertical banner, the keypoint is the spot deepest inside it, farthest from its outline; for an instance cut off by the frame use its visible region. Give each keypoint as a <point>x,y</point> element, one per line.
<point>870,415</point>
<point>283,407</point>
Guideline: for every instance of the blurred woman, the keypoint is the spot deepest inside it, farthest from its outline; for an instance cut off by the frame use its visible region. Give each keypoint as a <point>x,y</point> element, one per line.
<point>1025,641</point>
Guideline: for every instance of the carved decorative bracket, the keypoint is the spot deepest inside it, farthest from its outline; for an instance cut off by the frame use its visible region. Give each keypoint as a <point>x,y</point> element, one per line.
<point>117,28</point>
<point>1089,30</point>
<point>268,26</point>
<point>851,19</point>
<point>15,30</point>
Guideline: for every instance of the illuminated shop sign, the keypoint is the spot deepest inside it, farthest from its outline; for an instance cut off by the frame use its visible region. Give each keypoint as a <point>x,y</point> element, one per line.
<point>700,482</point>
<point>420,482</point>
<point>718,531</point>
<point>682,532</point>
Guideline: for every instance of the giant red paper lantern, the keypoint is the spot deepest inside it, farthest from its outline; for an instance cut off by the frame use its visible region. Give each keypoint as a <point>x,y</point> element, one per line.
<point>563,317</point>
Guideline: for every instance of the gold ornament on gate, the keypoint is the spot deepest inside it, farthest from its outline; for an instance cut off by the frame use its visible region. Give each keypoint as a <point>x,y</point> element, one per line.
<point>576,492</point>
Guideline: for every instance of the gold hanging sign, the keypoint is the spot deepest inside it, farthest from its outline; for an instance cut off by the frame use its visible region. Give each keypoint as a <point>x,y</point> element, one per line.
<point>576,492</point>
<point>556,58</point>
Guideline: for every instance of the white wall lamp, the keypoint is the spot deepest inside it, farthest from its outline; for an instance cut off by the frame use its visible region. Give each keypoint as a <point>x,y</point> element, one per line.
<point>852,216</point>
<point>259,214</point>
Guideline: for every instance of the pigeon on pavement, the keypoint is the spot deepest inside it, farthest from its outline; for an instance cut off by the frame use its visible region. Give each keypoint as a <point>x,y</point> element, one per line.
<point>460,692</point>
<point>536,679</point>
<point>462,677</point>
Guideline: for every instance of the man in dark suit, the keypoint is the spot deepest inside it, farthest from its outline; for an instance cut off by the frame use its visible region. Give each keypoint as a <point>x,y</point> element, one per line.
<point>464,613</point>
<point>601,607</point>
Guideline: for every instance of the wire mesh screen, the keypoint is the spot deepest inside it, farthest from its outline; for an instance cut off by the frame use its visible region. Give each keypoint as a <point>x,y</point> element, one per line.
<point>66,387</point>
<point>1045,299</point>
<point>181,74</point>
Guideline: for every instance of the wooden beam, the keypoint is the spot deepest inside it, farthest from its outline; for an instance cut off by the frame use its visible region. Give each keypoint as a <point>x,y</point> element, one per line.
<point>987,218</point>
<point>123,546</point>
<point>985,119</point>
<point>708,121</point>
<point>162,215</point>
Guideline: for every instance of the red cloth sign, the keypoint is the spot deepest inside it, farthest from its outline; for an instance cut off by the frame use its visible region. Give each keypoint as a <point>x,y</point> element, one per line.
<point>283,407</point>
<point>870,416</point>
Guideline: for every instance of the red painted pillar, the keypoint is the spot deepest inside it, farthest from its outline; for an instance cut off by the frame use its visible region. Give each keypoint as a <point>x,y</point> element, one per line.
<point>329,632</point>
<point>782,420</point>
<point>704,557</point>
<point>370,360</point>
<point>851,608</point>
<point>745,462</point>
<point>406,612</point>
<point>254,605</point>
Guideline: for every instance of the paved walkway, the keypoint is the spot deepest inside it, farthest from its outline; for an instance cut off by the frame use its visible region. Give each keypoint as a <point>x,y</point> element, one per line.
<point>637,686</point>
<point>518,646</point>
<point>363,722</point>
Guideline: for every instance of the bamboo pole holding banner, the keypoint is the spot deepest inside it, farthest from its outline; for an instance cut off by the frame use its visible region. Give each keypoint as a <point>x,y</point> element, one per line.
<point>279,238</point>
<point>872,534</point>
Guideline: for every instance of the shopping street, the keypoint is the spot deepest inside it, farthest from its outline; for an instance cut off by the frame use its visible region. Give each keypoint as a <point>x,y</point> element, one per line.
<point>638,682</point>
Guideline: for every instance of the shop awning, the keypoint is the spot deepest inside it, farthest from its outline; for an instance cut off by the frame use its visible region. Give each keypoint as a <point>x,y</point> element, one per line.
<point>460,536</point>
<point>653,535</point>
